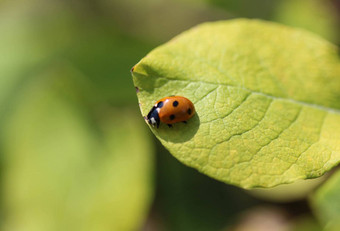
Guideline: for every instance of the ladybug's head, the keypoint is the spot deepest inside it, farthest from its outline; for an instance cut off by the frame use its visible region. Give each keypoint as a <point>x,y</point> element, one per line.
<point>153,117</point>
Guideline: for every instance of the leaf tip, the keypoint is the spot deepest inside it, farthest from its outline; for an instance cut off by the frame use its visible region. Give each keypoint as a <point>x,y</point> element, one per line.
<point>139,69</point>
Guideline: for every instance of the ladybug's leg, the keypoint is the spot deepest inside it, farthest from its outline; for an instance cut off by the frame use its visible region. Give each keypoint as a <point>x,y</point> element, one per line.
<point>185,122</point>
<point>170,126</point>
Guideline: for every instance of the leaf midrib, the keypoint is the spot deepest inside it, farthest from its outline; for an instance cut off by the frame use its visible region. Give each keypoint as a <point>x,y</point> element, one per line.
<point>302,103</point>
<point>320,107</point>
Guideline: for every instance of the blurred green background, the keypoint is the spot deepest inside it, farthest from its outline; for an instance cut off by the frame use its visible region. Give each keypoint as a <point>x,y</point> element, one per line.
<point>76,154</point>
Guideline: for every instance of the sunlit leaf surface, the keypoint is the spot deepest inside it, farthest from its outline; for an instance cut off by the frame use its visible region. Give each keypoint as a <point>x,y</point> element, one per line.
<point>326,203</point>
<point>267,98</point>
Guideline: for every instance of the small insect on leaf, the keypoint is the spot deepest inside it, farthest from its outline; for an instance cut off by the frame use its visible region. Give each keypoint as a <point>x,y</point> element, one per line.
<point>170,110</point>
<point>267,108</point>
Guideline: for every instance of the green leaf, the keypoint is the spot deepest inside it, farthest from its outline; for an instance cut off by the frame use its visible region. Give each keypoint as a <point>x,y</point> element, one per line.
<point>32,34</point>
<point>267,99</point>
<point>66,170</point>
<point>326,202</point>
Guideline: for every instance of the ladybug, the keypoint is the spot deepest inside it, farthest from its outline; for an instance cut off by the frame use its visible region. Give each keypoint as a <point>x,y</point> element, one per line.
<point>170,110</point>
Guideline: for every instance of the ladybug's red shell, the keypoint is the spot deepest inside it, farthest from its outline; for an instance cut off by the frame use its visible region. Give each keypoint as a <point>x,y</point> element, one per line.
<point>170,110</point>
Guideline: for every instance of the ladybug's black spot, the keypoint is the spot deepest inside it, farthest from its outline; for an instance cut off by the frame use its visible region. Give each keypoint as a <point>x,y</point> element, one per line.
<point>160,104</point>
<point>175,103</point>
<point>172,117</point>
<point>189,111</point>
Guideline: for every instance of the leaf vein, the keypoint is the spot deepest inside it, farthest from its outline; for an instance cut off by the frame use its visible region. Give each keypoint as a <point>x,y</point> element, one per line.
<point>225,116</point>
<point>280,133</point>
<point>320,107</point>
<point>255,125</point>
<point>309,146</point>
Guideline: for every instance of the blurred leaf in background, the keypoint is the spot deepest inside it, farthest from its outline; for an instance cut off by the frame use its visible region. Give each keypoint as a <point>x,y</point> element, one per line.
<point>326,203</point>
<point>76,155</point>
<point>65,171</point>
